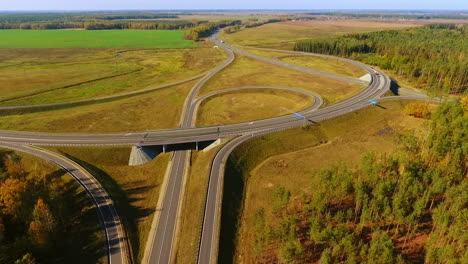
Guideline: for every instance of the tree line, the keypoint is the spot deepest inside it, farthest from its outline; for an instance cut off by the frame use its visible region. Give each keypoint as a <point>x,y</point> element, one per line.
<point>433,56</point>
<point>378,212</point>
<point>42,218</point>
<point>206,29</point>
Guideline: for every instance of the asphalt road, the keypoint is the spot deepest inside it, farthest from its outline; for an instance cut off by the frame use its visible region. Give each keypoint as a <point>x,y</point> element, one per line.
<point>117,243</point>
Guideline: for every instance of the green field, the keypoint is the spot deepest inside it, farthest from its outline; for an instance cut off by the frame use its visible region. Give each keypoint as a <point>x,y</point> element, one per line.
<point>39,76</point>
<point>149,39</point>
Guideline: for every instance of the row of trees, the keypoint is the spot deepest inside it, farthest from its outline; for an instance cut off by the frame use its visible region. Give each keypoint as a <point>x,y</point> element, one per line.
<point>433,56</point>
<point>38,209</point>
<point>372,214</point>
<point>147,25</point>
<point>105,24</point>
<point>204,30</point>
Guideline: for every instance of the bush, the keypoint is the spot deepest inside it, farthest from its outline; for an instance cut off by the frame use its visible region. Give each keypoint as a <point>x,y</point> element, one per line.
<point>419,110</point>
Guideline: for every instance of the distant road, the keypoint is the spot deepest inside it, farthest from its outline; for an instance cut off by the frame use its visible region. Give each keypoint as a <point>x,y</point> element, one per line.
<point>117,242</point>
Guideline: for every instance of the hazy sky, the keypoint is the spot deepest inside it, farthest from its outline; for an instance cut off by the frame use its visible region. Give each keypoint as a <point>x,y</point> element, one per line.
<point>230,4</point>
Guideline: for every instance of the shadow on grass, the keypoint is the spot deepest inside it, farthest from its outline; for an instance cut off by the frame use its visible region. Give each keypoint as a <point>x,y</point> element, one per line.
<point>233,194</point>
<point>394,87</point>
<point>128,213</point>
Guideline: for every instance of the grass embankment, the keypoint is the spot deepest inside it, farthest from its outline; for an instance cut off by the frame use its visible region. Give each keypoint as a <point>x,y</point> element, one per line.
<point>289,158</point>
<point>283,35</point>
<point>155,110</point>
<point>150,39</point>
<point>326,65</point>
<point>247,72</point>
<point>40,76</point>
<point>135,190</point>
<point>76,235</point>
<point>193,206</point>
<point>246,105</point>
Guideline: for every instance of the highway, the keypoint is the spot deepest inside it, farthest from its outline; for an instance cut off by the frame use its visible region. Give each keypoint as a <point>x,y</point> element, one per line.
<point>118,248</point>
<point>163,244</point>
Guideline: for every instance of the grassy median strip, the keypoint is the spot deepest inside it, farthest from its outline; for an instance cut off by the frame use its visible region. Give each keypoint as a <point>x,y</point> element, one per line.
<point>247,105</point>
<point>326,65</point>
<point>247,72</point>
<point>193,205</point>
<point>134,190</point>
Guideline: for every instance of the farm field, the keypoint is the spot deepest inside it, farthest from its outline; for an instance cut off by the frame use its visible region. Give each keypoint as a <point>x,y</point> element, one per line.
<point>158,109</point>
<point>40,76</point>
<point>284,34</point>
<point>148,39</point>
<point>296,155</point>
<point>247,72</point>
<point>134,189</point>
<point>249,105</point>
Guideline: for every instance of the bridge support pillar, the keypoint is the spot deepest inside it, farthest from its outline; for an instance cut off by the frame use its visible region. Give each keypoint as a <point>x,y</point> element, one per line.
<point>196,146</point>
<point>141,155</point>
<point>164,148</point>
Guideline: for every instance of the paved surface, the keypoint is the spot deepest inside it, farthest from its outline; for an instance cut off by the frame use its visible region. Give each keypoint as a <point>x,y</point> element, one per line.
<point>117,244</point>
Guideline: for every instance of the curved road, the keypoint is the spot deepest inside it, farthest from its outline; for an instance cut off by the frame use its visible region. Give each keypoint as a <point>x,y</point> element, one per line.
<point>117,244</point>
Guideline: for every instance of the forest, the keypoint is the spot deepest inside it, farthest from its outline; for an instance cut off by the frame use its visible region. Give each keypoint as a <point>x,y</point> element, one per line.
<point>205,30</point>
<point>44,215</point>
<point>406,207</point>
<point>432,57</point>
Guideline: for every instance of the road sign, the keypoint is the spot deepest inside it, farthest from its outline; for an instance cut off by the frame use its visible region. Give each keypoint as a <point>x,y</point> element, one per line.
<point>374,102</point>
<point>299,115</point>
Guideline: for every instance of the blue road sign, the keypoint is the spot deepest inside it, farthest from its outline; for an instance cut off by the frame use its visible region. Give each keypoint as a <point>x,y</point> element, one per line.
<point>299,115</point>
<point>374,102</point>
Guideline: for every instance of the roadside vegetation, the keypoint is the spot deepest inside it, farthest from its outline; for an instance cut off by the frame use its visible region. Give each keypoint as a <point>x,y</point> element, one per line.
<point>45,215</point>
<point>283,35</point>
<point>326,65</point>
<point>248,105</point>
<point>193,205</point>
<point>248,72</point>
<point>397,195</point>
<point>39,76</point>
<point>155,110</point>
<point>134,189</point>
<point>432,57</point>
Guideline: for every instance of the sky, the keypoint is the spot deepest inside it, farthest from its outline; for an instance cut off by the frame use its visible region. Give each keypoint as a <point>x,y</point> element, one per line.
<point>11,5</point>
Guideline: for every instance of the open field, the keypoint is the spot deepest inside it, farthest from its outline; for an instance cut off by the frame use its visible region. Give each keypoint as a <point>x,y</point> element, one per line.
<point>158,109</point>
<point>193,206</point>
<point>249,105</point>
<point>283,35</point>
<point>39,76</point>
<point>149,39</point>
<point>326,65</point>
<point>82,239</point>
<point>135,190</point>
<point>289,159</point>
<point>246,72</point>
